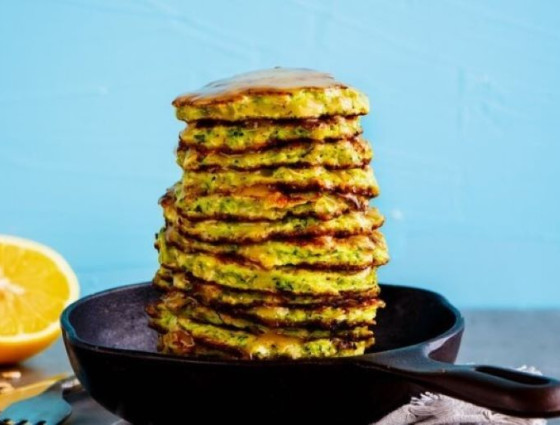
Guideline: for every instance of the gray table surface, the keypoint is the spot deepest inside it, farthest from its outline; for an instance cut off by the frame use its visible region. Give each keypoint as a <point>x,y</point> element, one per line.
<point>504,338</point>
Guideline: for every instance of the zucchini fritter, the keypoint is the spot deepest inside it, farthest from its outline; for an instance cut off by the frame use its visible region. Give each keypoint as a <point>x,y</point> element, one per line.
<point>224,271</point>
<point>278,94</point>
<point>339,154</point>
<point>222,296</point>
<point>352,223</point>
<point>321,316</point>
<point>358,181</point>
<point>235,137</point>
<point>250,345</point>
<point>260,203</point>
<point>323,252</point>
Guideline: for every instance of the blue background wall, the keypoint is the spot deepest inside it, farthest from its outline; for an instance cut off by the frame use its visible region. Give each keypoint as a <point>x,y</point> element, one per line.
<point>464,123</point>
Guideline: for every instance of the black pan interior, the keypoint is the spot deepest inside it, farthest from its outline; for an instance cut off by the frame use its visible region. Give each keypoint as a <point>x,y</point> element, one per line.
<point>110,347</point>
<point>117,319</point>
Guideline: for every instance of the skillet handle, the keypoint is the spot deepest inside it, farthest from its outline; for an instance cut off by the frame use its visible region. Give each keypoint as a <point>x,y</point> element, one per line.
<point>503,390</point>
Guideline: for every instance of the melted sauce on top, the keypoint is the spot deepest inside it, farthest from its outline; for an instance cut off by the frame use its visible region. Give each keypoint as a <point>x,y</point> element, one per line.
<point>275,80</point>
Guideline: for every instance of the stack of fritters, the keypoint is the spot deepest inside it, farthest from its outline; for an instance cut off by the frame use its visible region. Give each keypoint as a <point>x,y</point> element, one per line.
<point>270,248</point>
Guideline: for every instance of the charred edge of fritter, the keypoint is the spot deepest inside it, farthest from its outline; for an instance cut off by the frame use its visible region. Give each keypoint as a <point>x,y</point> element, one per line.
<point>176,337</point>
<point>305,241</point>
<point>233,351</point>
<point>232,258</point>
<point>317,324</point>
<point>240,353</point>
<point>318,266</point>
<point>154,313</point>
<point>152,309</point>
<point>247,219</point>
<point>295,188</point>
<point>256,331</point>
<point>198,350</point>
<point>182,298</point>
<point>279,236</point>
<point>270,144</point>
<point>348,293</point>
<point>182,343</point>
<point>167,199</point>
<point>324,116</point>
<point>353,204</point>
<point>359,202</point>
<point>347,299</point>
<point>178,342</point>
<point>342,302</point>
<point>307,123</point>
<point>162,285</point>
<point>157,327</point>
<point>356,201</point>
<point>295,166</point>
<point>184,145</point>
<point>327,267</point>
<point>156,236</point>
<point>273,144</point>
<point>310,326</point>
<point>165,272</point>
<point>349,345</point>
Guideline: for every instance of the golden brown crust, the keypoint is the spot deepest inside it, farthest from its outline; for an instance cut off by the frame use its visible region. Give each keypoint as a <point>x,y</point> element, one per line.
<point>324,253</point>
<point>357,181</point>
<point>305,333</point>
<point>331,325</point>
<point>352,153</point>
<point>199,288</point>
<point>247,136</point>
<point>308,123</point>
<point>257,204</point>
<point>190,228</point>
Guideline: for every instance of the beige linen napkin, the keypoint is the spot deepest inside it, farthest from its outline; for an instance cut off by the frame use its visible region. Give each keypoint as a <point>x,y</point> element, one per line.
<point>437,409</point>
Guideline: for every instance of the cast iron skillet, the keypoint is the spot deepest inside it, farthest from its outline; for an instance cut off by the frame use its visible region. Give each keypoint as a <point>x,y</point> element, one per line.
<point>112,351</point>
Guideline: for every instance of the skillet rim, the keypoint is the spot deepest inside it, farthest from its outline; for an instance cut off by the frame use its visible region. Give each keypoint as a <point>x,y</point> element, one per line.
<point>70,336</point>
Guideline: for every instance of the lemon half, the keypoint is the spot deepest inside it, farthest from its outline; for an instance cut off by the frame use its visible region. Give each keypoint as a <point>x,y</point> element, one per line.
<point>36,284</point>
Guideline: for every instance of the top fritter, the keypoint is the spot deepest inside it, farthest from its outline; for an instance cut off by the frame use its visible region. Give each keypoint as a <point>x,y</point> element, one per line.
<point>279,93</point>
